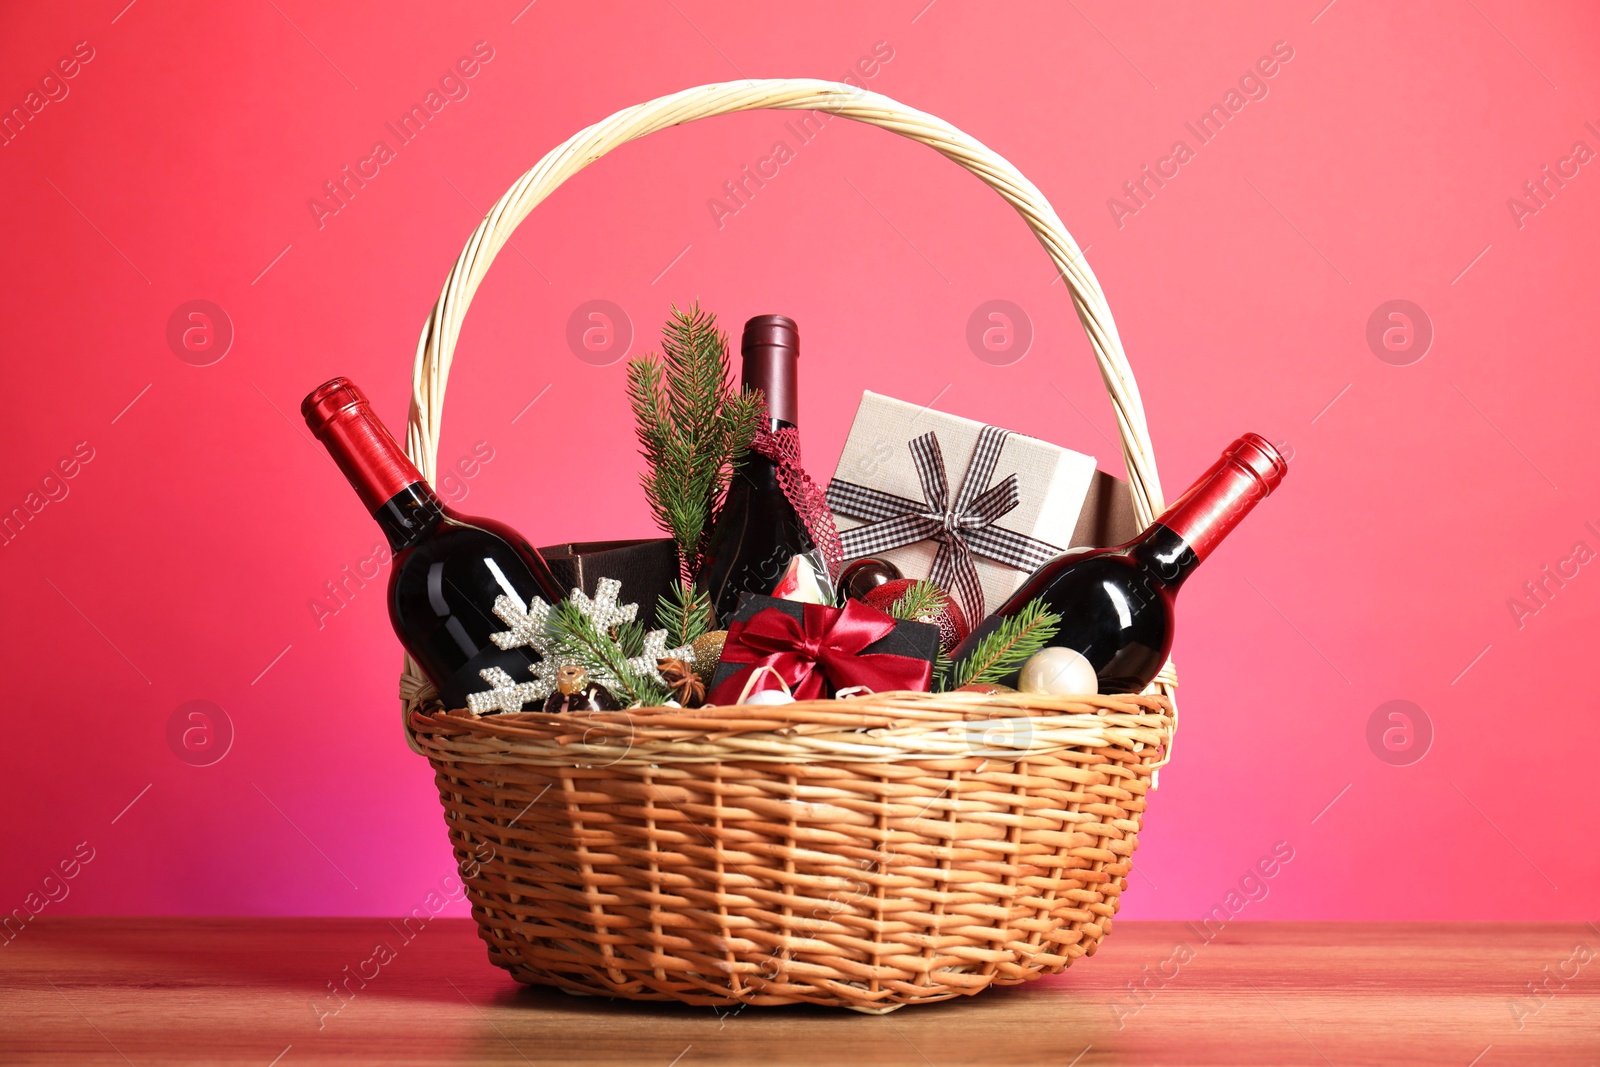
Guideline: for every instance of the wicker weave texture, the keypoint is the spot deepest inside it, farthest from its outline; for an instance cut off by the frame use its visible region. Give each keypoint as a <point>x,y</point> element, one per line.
<point>866,854</point>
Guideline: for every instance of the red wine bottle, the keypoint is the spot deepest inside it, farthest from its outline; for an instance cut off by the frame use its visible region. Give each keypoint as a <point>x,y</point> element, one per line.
<point>1116,604</point>
<point>447,569</point>
<point>758,533</point>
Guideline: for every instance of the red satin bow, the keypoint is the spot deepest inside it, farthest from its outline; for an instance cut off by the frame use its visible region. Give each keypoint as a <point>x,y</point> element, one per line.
<point>820,655</point>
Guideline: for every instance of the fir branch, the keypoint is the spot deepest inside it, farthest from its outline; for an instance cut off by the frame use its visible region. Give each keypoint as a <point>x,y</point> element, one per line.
<point>579,641</point>
<point>1007,648</point>
<point>644,389</point>
<point>629,637</point>
<point>920,602</point>
<point>685,612</point>
<point>693,428</point>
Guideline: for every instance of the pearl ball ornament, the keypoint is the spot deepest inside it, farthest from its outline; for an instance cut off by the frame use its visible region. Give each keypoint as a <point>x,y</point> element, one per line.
<point>769,696</point>
<point>1058,672</point>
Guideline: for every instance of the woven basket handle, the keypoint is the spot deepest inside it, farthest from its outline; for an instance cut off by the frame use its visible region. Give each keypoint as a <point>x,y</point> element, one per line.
<point>439,334</point>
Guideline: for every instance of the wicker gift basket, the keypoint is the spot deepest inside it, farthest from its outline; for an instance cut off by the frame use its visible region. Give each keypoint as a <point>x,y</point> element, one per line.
<point>868,853</point>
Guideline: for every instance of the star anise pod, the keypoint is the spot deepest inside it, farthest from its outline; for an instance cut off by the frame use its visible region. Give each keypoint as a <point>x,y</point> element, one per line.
<point>686,686</point>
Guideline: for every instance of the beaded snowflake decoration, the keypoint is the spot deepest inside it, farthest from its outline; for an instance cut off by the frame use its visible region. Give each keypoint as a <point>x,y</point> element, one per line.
<point>530,627</point>
<point>506,694</point>
<point>603,609</point>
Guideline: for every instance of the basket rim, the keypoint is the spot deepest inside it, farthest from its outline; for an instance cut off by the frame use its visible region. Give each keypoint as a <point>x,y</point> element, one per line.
<point>899,727</point>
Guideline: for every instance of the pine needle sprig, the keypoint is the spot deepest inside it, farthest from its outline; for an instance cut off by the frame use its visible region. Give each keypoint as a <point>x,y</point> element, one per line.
<point>693,428</point>
<point>920,601</point>
<point>1005,649</point>
<point>685,613</point>
<point>602,656</point>
<point>629,637</point>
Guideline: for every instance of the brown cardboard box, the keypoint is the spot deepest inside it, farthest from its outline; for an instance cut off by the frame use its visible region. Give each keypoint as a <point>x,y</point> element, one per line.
<point>1107,517</point>
<point>646,568</point>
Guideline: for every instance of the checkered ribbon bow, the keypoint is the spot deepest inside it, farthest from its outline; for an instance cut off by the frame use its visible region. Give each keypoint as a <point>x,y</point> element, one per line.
<point>962,529</point>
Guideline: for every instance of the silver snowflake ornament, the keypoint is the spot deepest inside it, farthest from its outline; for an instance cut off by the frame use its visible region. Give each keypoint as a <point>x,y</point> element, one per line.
<point>527,624</point>
<point>655,649</point>
<point>506,694</point>
<point>528,629</point>
<point>603,610</point>
<point>531,627</point>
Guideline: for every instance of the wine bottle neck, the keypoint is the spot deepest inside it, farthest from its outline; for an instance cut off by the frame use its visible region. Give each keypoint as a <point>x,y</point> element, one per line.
<point>1224,495</point>
<point>409,515</point>
<point>771,351</point>
<point>385,479</point>
<point>1165,556</point>
<point>757,472</point>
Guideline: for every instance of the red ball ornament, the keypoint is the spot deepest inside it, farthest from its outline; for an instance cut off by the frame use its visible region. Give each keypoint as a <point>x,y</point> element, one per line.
<point>948,617</point>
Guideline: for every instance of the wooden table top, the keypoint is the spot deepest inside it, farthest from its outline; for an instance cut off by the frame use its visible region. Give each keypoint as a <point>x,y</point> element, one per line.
<point>257,991</point>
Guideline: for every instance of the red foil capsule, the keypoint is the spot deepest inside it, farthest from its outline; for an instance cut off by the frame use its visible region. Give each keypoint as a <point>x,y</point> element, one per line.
<point>342,418</point>
<point>1249,469</point>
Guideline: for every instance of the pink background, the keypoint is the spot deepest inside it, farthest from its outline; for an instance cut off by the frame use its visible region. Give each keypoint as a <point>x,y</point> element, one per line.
<point>182,563</point>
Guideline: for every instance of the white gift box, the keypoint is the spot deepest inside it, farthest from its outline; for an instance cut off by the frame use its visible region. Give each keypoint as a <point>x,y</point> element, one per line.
<point>891,466</point>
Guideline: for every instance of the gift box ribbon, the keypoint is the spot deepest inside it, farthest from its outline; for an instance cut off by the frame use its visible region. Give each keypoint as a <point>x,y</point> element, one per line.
<point>822,650</point>
<point>962,529</point>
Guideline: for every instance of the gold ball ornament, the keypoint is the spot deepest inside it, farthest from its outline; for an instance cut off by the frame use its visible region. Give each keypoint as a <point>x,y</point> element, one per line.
<point>707,649</point>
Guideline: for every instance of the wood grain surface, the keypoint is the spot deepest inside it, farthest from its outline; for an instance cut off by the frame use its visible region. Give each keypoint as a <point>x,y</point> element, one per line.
<point>257,992</point>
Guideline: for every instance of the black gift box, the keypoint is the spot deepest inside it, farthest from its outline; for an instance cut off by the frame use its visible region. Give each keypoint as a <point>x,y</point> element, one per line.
<point>647,569</point>
<point>918,640</point>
